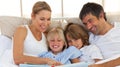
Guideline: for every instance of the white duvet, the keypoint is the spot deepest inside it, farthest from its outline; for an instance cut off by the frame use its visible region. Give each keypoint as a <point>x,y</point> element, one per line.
<point>6,55</point>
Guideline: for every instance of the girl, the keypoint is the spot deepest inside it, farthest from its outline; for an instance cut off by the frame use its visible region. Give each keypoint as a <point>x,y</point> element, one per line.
<point>58,48</point>
<point>77,36</point>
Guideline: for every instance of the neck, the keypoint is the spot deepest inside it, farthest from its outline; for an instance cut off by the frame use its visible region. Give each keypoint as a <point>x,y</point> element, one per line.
<point>106,28</point>
<point>37,34</point>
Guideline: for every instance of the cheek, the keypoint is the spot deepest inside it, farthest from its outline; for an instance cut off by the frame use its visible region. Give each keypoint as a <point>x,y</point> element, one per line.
<point>70,44</point>
<point>48,23</point>
<point>50,44</point>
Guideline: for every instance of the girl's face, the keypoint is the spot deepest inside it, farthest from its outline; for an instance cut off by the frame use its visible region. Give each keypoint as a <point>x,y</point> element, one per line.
<point>72,42</point>
<point>56,44</point>
<point>41,20</point>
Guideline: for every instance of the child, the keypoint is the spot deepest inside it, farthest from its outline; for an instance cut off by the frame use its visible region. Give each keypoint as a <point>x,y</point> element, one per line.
<point>58,48</point>
<point>77,36</point>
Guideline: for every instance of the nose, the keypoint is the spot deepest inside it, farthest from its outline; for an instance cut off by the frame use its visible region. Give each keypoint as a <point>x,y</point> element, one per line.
<point>56,42</point>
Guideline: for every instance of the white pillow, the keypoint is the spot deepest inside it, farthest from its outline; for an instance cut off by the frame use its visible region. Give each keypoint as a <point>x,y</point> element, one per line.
<point>5,43</point>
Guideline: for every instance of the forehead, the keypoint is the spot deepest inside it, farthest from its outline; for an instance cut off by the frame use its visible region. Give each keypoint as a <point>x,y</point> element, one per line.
<point>55,35</point>
<point>44,13</point>
<point>87,17</point>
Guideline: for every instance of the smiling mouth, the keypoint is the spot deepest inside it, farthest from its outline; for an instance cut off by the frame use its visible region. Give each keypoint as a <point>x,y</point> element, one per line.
<point>55,46</point>
<point>93,29</point>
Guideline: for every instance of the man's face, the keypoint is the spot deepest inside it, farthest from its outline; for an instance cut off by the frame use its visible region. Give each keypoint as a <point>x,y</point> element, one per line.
<point>92,23</point>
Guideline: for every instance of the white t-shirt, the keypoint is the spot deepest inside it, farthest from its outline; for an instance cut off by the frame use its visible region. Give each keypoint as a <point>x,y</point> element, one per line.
<point>89,53</point>
<point>109,43</point>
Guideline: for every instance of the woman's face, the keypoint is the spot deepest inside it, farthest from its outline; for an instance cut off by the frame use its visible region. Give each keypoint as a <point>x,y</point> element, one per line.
<point>56,44</point>
<point>72,42</point>
<point>41,20</point>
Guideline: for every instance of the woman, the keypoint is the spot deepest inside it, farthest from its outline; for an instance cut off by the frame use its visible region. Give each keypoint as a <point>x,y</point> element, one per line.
<point>29,40</point>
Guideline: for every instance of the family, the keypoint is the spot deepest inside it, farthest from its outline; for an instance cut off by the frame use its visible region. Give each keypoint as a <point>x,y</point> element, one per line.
<point>95,41</point>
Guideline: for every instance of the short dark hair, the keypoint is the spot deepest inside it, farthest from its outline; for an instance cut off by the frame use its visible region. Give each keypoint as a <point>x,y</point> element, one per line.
<point>93,8</point>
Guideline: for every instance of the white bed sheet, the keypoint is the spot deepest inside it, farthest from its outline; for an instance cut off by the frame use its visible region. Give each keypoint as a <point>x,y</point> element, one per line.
<point>5,43</point>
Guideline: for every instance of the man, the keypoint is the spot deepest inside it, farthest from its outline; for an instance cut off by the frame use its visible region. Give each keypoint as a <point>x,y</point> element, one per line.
<point>103,34</point>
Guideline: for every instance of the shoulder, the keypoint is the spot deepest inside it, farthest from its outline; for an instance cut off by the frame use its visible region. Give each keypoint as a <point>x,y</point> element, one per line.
<point>44,54</point>
<point>92,47</point>
<point>73,49</point>
<point>117,24</point>
<point>20,31</point>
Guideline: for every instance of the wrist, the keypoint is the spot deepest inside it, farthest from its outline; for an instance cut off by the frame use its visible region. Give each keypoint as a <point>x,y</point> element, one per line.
<point>45,60</point>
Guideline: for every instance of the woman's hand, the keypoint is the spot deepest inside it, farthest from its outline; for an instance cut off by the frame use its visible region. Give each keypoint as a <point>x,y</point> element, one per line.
<point>52,62</point>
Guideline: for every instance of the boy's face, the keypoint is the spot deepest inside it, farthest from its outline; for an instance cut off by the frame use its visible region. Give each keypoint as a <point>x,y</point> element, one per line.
<point>72,42</point>
<point>56,44</point>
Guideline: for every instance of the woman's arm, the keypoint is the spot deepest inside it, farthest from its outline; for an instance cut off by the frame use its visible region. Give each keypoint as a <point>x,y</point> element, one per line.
<point>18,45</point>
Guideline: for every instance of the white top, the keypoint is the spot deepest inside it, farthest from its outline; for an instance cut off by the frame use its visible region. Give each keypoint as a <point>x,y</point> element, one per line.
<point>32,46</point>
<point>109,43</point>
<point>89,53</point>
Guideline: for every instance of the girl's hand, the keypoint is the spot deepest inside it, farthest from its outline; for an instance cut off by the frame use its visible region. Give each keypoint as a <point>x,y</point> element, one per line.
<point>52,62</point>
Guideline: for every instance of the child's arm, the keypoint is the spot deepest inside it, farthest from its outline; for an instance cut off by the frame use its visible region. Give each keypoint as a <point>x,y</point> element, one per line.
<point>76,60</point>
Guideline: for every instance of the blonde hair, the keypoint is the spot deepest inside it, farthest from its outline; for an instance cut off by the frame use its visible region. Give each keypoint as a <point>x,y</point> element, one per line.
<point>40,5</point>
<point>56,31</point>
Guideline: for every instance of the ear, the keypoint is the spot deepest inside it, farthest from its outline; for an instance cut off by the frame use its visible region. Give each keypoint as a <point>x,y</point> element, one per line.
<point>32,15</point>
<point>101,15</point>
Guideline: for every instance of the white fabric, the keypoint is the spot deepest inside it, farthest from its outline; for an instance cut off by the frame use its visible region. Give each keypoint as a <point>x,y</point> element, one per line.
<point>109,43</point>
<point>6,55</point>
<point>5,43</point>
<point>32,46</point>
<point>90,53</point>
<point>109,59</point>
<point>4,64</point>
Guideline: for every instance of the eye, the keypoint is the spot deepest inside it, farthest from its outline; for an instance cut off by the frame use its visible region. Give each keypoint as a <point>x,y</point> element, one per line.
<point>49,19</point>
<point>42,19</point>
<point>52,40</point>
<point>85,24</point>
<point>59,40</point>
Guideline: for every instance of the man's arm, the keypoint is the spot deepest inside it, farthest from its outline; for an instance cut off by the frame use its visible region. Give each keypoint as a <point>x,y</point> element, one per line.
<point>111,63</point>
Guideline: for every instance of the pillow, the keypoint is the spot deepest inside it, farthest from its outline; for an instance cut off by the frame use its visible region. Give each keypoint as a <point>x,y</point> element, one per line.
<point>74,20</point>
<point>8,24</point>
<point>54,23</point>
